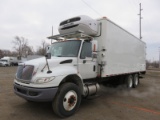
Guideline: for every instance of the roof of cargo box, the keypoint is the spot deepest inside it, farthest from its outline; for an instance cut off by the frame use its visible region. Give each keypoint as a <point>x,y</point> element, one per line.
<point>106,18</point>
<point>76,34</point>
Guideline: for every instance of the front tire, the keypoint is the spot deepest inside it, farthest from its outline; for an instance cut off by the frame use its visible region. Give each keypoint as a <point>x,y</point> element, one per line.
<point>67,100</point>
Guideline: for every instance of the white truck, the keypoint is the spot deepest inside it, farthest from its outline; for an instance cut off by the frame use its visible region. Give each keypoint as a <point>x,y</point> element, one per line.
<point>87,52</point>
<point>8,61</point>
<point>3,63</point>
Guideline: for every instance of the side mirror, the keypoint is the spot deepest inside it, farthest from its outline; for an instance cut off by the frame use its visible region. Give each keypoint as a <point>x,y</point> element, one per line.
<point>48,56</point>
<point>48,48</point>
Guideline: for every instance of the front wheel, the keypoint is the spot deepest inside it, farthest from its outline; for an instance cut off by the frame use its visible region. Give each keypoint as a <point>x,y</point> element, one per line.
<point>67,100</point>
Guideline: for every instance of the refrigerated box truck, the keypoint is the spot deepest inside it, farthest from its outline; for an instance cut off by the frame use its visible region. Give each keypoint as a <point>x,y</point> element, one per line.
<point>86,52</point>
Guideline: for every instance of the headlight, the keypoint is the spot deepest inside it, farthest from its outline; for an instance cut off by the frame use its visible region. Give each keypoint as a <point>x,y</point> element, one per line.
<point>44,80</point>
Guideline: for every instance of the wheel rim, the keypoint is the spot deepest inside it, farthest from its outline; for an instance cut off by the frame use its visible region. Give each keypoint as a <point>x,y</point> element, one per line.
<point>70,100</point>
<point>130,82</point>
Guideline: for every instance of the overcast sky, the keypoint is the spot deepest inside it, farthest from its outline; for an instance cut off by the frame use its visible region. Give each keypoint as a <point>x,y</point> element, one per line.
<point>33,19</point>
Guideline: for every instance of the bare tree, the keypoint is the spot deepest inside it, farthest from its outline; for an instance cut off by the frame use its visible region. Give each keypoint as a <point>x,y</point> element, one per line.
<point>29,50</point>
<point>153,64</point>
<point>42,49</point>
<point>6,52</point>
<point>14,54</point>
<point>148,63</point>
<point>21,46</point>
<point>1,53</point>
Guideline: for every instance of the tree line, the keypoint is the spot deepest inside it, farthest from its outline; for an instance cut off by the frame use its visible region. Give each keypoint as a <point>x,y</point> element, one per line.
<point>152,64</point>
<point>21,48</point>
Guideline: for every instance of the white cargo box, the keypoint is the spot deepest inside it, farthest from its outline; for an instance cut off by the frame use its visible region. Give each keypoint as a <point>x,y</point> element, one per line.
<point>82,24</point>
<point>121,52</point>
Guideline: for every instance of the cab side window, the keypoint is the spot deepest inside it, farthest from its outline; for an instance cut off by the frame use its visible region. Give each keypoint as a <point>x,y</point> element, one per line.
<point>86,50</point>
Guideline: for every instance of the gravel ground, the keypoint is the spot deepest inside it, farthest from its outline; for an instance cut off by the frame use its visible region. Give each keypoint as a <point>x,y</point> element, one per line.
<point>141,103</point>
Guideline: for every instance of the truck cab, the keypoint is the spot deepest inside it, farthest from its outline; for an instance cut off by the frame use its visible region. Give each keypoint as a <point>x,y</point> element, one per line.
<point>61,74</point>
<point>3,63</point>
<point>77,52</point>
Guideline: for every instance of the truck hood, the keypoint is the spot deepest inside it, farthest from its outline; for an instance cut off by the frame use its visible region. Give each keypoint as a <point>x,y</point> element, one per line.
<point>56,64</point>
<point>52,62</point>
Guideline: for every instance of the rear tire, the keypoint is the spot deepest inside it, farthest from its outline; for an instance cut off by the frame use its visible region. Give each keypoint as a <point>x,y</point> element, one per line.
<point>129,81</point>
<point>135,80</point>
<point>67,100</point>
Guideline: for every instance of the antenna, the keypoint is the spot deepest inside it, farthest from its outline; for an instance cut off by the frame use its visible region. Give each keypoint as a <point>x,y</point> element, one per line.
<point>52,30</point>
<point>140,18</point>
<point>52,34</point>
<point>91,7</point>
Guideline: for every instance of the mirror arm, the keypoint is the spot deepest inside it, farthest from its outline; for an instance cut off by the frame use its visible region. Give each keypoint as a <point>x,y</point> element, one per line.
<point>48,56</point>
<point>49,71</point>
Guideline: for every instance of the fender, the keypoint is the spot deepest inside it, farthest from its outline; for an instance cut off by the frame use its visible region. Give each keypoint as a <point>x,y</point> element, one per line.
<point>76,79</point>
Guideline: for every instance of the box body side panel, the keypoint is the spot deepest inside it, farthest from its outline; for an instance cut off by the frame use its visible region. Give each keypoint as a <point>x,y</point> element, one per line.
<point>124,53</point>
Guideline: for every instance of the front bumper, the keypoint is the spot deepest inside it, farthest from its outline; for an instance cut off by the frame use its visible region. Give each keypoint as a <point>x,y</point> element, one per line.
<point>35,94</point>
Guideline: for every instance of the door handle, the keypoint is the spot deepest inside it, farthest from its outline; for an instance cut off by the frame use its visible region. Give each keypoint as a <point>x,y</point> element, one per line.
<point>84,61</point>
<point>94,68</point>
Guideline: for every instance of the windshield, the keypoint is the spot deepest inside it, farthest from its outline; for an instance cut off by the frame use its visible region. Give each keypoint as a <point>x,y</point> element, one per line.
<point>65,48</point>
<point>3,60</point>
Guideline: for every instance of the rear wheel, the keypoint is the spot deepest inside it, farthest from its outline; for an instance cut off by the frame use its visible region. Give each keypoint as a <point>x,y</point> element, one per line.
<point>129,81</point>
<point>67,100</point>
<point>135,80</point>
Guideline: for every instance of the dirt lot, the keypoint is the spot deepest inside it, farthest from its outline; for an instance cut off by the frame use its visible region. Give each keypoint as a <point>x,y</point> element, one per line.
<point>142,103</point>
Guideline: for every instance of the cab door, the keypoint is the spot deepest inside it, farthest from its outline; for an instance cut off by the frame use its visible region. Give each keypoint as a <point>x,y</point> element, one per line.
<point>87,67</point>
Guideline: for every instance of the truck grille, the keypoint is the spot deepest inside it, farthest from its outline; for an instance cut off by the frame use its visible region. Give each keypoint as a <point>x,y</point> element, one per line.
<point>24,73</point>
